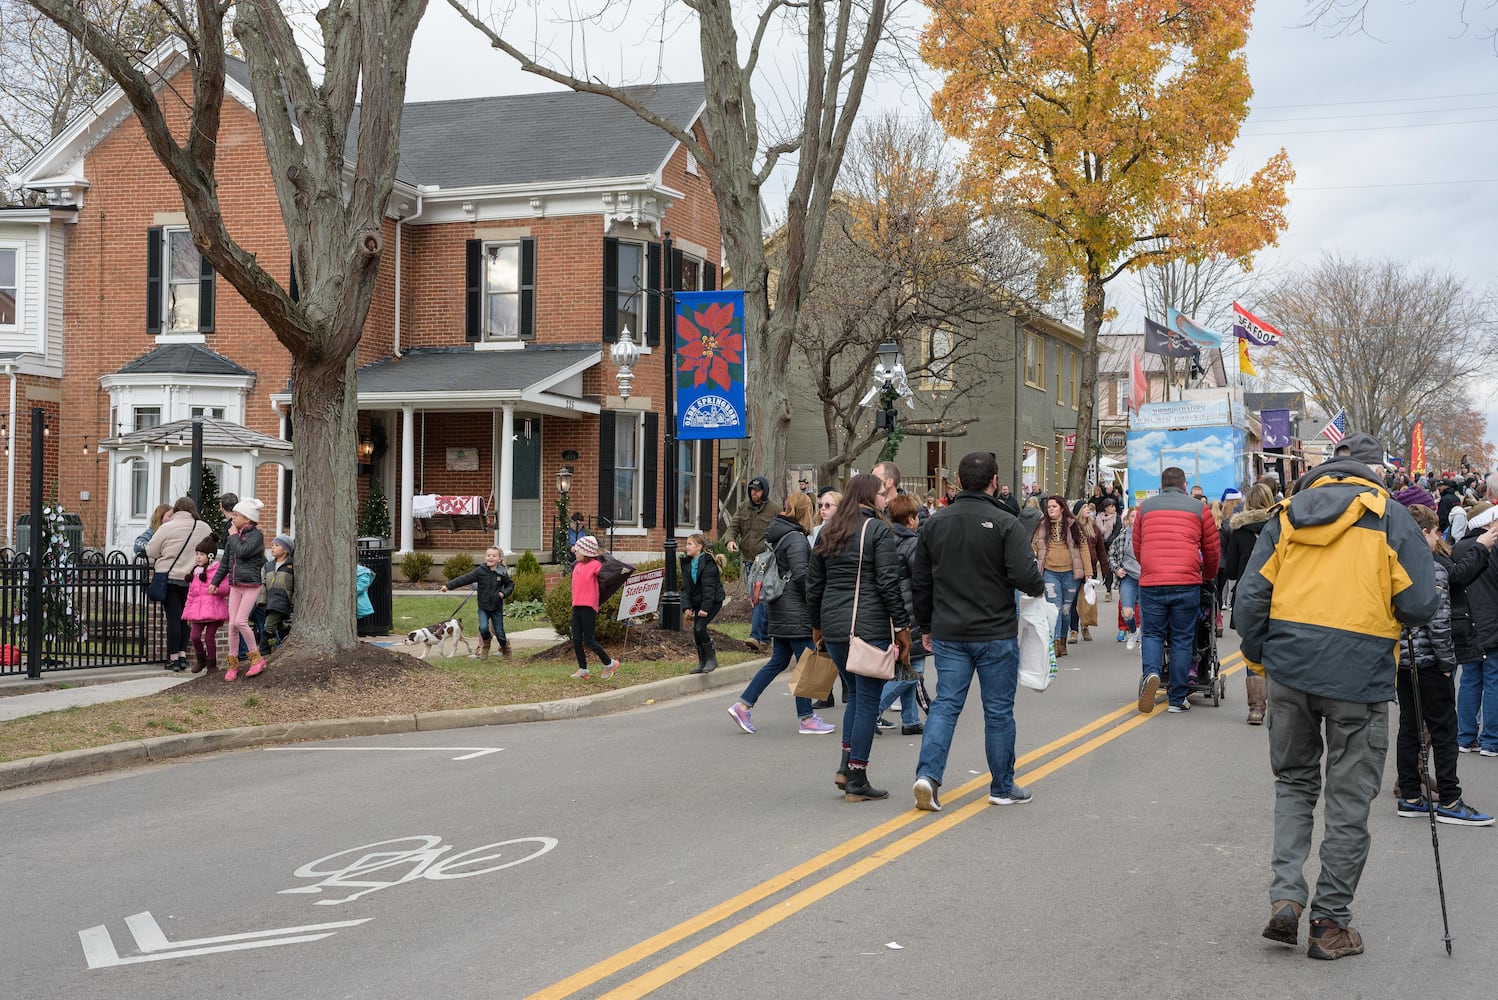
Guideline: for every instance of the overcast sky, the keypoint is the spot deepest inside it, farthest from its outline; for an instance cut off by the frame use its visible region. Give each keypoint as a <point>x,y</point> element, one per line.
<point>1393,132</point>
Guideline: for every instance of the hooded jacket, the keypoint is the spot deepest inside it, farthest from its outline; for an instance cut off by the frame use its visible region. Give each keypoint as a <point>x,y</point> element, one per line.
<point>494,585</point>
<point>830,583</point>
<point>1331,579</point>
<point>1243,534</point>
<point>970,558</point>
<point>789,618</point>
<point>747,529</point>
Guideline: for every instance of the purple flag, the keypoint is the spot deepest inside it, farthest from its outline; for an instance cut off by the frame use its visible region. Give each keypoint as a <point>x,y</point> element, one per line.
<point>1276,428</point>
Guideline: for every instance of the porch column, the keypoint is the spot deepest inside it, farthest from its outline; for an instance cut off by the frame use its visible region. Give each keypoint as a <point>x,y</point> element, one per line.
<point>111,501</point>
<point>408,478</point>
<point>504,534</point>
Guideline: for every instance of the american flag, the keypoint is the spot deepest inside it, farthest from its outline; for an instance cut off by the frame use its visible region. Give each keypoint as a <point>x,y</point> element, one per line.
<point>1336,430</point>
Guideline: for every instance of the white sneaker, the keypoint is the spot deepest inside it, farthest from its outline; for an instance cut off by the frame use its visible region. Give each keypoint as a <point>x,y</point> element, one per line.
<point>1133,640</point>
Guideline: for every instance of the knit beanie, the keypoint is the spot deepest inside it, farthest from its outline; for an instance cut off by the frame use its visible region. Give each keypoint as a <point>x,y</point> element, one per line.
<point>285,542</point>
<point>249,509</point>
<point>208,546</point>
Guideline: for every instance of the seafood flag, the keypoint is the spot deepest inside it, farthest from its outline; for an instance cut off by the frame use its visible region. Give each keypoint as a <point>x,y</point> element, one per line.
<point>1247,326</point>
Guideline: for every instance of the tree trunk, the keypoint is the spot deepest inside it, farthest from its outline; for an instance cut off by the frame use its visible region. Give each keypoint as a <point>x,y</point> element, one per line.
<point>1093,304</point>
<point>324,400</point>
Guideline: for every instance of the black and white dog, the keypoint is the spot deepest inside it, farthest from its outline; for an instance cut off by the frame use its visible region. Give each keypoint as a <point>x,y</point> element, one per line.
<point>434,636</point>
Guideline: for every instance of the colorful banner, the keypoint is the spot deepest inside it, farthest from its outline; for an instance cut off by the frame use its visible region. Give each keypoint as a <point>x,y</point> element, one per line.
<point>1245,363</point>
<point>1275,428</point>
<point>1192,330</point>
<point>1417,448</point>
<point>1178,413</point>
<point>710,365</point>
<point>1247,326</point>
<point>1162,340</point>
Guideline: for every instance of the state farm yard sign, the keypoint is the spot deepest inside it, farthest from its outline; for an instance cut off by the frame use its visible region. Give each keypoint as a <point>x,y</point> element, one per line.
<point>642,592</point>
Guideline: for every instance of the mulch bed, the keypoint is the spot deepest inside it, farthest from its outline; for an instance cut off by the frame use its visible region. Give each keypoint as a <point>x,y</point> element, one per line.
<point>646,643</point>
<point>292,669</point>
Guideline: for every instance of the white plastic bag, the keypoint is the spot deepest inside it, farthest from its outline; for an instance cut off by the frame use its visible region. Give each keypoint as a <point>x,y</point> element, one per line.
<point>1037,654</point>
<point>1089,590</point>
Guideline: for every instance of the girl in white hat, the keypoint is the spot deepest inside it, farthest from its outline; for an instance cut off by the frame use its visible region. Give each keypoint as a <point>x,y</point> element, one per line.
<point>244,559</point>
<point>585,609</point>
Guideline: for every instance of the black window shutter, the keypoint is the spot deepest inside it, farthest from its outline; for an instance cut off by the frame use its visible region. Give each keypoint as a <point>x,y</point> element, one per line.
<point>709,277</point>
<point>473,292</point>
<point>528,288</point>
<point>606,467</point>
<point>153,279</point>
<point>653,301</point>
<point>205,297</point>
<point>707,475</point>
<point>676,271</point>
<point>294,289</point>
<point>610,289</point>
<point>650,471</point>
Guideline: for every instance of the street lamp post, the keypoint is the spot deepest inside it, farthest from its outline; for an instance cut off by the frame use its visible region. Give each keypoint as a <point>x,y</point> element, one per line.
<point>889,386</point>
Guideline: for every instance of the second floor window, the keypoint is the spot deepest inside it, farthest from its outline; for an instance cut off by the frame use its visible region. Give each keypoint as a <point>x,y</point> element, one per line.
<point>179,284</point>
<point>10,286</point>
<point>1035,361</point>
<point>501,291</point>
<point>147,416</point>
<point>631,290</point>
<point>630,296</point>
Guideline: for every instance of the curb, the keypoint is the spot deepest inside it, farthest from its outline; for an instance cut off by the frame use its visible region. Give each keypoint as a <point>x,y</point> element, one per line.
<point>118,756</point>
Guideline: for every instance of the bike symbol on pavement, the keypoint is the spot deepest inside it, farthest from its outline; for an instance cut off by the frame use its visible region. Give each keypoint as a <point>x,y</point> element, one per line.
<point>381,865</point>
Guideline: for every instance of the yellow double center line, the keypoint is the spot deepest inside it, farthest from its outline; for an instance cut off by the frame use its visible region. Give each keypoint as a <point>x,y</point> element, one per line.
<point>703,953</point>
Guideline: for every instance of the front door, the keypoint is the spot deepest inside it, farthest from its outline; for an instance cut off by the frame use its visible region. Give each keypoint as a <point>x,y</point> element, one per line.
<point>526,527</point>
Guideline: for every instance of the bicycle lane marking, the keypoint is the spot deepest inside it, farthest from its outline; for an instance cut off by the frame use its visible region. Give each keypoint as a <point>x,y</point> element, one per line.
<point>620,961</point>
<point>703,953</point>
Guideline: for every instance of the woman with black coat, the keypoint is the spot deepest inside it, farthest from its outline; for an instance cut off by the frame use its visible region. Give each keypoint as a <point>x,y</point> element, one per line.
<point>853,588</point>
<point>701,598</point>
<point>1242,534</point>
<point>789,623</point>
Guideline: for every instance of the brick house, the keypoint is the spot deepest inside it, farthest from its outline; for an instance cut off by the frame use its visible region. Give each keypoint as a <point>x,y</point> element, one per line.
<point>523,232</point>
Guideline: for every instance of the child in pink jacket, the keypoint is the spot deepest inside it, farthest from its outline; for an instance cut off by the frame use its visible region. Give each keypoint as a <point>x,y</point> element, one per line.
<point>207,607</point>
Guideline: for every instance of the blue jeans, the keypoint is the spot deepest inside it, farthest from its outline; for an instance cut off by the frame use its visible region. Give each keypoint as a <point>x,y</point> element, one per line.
<point>1061,590</point>
<point>783,653</point>
<point>759,622</point>
<point>910,714</point>
<point>1128,596</point>
<point>996,662</point>
<point>1478,694</point>
<point>1170,617</point>
<point>492,622</point>
<point>861,707</point>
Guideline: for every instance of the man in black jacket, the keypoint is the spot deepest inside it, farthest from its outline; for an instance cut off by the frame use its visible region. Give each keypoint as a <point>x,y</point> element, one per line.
<point>1477,695</point>
<point>970,557</point>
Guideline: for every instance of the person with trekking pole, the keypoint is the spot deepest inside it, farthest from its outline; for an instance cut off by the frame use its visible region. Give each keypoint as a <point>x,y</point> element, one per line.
<point>1328,651</point>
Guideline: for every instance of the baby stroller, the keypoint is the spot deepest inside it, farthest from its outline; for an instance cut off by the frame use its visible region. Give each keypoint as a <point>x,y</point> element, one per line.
<point>1206,672</point>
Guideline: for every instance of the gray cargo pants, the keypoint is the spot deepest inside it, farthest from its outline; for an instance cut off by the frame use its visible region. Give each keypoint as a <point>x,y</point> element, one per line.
<point>1356,742</point>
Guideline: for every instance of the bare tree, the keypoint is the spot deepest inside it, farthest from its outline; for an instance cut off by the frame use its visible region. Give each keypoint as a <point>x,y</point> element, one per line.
<point>333,213</point>
<point>904,261</point>
<point>1381,339</point>
<point>738,153</point>
<point>47,77</point>
<point>1350,17</point>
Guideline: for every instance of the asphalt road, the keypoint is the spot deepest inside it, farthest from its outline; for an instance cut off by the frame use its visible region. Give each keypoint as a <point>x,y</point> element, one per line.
<point>661,852</point>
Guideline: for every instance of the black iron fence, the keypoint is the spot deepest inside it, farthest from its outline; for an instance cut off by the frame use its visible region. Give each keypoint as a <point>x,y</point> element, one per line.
<point>94,610</point>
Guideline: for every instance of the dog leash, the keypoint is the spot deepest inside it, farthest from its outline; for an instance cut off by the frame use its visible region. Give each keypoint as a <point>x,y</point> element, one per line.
<point>460,607</point>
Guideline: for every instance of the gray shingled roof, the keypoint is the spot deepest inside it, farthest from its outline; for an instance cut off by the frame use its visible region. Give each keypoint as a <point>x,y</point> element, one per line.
<point>217,434</point>
<point>462,369</point>
<point>537,138</point>
<point>182,359</point>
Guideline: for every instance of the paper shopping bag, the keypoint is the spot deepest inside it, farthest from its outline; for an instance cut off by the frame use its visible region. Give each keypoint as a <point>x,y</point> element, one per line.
<point>814,675</point>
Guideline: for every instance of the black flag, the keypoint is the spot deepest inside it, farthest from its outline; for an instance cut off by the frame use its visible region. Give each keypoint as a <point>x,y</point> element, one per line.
<point>1162,340</point>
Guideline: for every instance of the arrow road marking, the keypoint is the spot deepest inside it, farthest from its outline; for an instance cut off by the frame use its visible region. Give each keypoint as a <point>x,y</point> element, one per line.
<point>474,751</point>
<point>100,953</point>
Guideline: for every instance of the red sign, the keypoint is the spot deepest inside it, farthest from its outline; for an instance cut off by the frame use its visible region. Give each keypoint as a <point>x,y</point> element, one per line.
<point>1071,442</point>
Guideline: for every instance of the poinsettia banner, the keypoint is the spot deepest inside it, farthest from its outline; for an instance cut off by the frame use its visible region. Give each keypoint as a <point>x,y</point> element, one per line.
<point>710,365</point>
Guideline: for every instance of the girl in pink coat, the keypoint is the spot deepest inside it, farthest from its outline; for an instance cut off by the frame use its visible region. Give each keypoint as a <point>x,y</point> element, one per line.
<point>207,607</point>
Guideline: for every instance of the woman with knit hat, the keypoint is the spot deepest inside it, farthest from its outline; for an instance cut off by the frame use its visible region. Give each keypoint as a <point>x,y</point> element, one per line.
<point>585,609</point>
<point>243,562</point>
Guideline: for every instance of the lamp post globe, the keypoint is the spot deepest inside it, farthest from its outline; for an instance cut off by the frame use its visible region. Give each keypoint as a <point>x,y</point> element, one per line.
<point>626,355</point>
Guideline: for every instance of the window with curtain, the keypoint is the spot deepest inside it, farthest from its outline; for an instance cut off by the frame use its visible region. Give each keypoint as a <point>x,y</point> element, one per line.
<point>626,468</point>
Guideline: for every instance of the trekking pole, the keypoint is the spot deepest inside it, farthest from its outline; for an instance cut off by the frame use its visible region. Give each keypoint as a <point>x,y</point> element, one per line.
<point>1435,840</point>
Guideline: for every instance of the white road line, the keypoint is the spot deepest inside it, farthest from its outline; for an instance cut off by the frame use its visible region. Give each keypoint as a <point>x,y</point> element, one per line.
<point>473,751</point>
<point>100,953</point>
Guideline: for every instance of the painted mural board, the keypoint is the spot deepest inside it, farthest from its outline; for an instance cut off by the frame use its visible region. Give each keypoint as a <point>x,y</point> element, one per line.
<point>1213,458</point>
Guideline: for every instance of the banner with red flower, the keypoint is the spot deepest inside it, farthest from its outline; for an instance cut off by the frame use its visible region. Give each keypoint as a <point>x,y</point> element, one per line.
<point>710,365</point>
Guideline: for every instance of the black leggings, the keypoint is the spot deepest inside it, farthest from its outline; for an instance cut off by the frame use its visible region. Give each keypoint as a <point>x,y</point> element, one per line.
<point>176,632</point>
<point>584,625</point>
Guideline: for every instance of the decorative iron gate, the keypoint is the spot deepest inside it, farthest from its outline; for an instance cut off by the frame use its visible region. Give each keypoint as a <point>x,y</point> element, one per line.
<point>98,606</point>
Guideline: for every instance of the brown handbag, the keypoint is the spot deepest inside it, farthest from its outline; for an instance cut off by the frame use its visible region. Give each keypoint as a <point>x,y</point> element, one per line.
<point>865,658</point>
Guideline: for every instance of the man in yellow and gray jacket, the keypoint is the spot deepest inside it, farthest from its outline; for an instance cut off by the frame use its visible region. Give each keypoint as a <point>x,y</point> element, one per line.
<point>1331,579</point>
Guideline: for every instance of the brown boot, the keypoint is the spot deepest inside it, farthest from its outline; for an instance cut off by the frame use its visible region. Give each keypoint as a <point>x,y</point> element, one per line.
<point>201,664</point>
<point>1330,942</point>
<point>484,649</point>
<point>1060,645</point>
<point>1284,921</point>
<point>1086,635</point>
<point>211,665</point>
<point>1258,698</point>
<point>504,648</point>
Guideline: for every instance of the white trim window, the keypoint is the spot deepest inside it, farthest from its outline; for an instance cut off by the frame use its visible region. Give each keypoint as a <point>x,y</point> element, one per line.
<point>211,412</point>
<point>691,274</point>
<point>145,417</point>
<point>632,289</point>
<point>502,291</point>
<point>182,283</point>
<point>627,460</point>
<point>686,484</point>
<point>10,288</point>
<point>140,488</point>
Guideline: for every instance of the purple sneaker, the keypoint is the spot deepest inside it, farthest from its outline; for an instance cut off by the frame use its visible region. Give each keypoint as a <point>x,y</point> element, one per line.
<point>813,725</point>
<point>740,713</point>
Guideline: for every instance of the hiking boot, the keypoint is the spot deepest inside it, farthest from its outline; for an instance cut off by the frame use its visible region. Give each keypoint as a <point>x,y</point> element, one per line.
<point>740,713</point>
<point>1258,698</point>
<point>814,725</point>
<point>1412,807</point>
<point>925,795</point>
<point>504,648</point>
<point>753,644</point>
<point>1072,636</point>
<point>1016,796</point>
<point>1148,688</point>
<point>1060,645</point>
<point>1284,921</point>
<point>1330,942</point>
<point>1458,813</point>
<point>859,789</point>
<point>1086,635</point>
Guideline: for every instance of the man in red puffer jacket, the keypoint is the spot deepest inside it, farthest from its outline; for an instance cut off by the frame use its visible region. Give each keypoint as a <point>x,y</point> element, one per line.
<point>1176,543</point>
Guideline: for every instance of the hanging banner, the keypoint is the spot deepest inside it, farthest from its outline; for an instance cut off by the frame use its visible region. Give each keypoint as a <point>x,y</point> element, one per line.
<point>1192,330</point>
<point>710,365</point>
<point>1275,425</point>
<point>1417,448</point>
